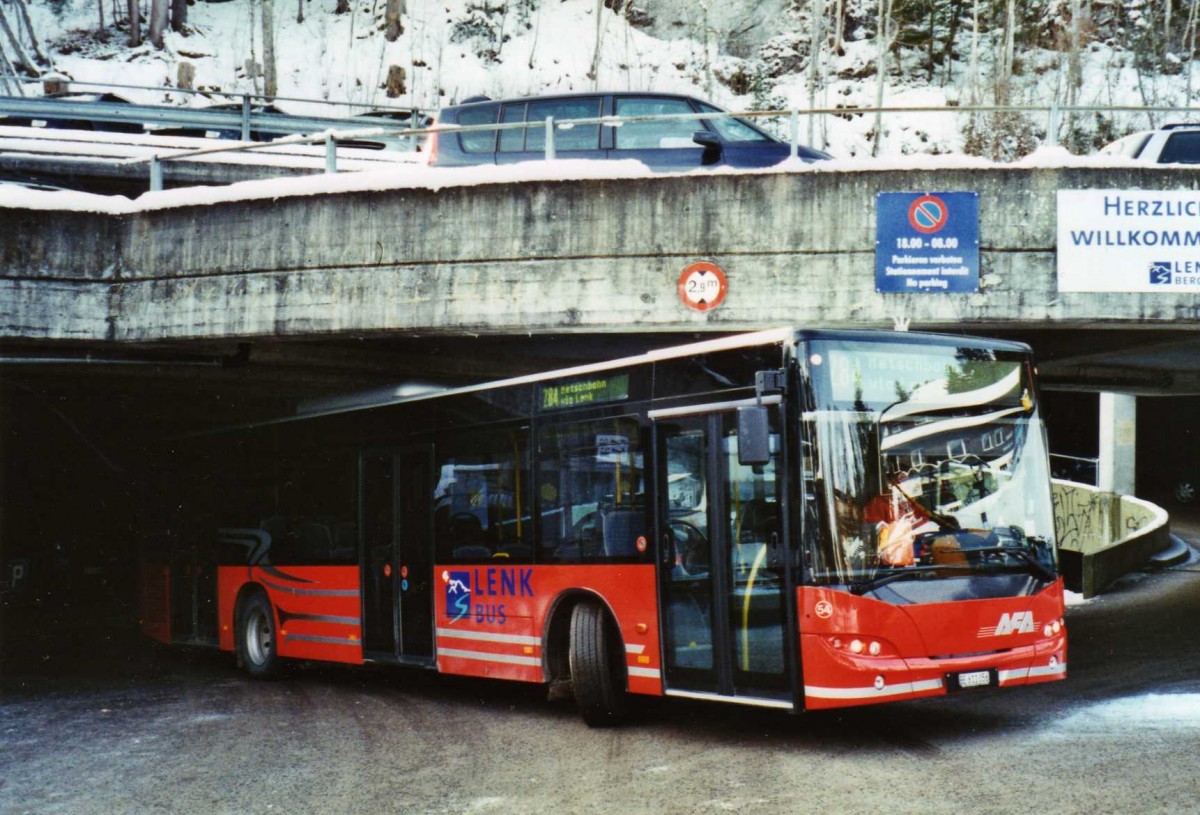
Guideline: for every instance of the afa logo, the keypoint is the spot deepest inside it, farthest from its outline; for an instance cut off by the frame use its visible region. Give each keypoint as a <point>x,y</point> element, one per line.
<point>458,595</point>
<point>1018,622</point>
<point>1160,272</point>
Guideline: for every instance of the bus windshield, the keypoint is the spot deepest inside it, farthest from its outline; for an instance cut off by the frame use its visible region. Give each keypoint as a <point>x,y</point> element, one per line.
<point>925,462</point>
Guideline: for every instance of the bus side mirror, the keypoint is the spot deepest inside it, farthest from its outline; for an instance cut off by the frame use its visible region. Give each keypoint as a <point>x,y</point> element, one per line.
<point>754,436</point>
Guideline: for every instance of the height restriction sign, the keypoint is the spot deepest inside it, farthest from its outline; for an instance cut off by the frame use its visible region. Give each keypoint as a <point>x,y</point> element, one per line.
<point>702,286</point>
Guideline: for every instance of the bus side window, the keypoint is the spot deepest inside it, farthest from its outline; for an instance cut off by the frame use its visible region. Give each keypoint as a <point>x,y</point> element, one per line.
<point>590,491</point>
<point>481,501</point>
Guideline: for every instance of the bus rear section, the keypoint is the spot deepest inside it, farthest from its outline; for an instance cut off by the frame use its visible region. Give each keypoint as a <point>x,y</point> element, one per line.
<point>933,568</point>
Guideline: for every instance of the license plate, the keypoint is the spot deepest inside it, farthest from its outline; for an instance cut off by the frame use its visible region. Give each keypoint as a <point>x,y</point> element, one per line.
<point>974,679</point>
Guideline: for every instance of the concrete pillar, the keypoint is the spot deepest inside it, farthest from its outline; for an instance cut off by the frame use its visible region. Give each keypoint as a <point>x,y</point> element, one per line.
<point>1118,437</point>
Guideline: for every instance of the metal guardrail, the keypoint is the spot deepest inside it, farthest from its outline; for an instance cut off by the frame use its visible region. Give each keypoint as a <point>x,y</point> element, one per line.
<point>245,120</point>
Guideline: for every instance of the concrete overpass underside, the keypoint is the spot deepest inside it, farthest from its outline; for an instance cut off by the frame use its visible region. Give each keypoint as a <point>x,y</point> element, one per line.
<point>321,289</point>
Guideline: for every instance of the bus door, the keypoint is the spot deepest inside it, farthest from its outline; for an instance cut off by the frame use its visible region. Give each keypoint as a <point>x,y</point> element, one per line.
<point>722,560</point>
<point>397,558</point>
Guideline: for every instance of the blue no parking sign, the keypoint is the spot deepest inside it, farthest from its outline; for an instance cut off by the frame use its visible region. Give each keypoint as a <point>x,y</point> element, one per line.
<point>927,242</point>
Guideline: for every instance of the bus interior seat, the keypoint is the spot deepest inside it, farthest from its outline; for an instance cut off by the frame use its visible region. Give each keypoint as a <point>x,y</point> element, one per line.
<point>515,551</point>
<point>472,552</point>
<point>622,527</point>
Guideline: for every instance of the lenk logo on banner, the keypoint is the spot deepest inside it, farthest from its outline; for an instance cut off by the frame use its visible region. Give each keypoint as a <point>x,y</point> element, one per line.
<point>1160,272</point>
<point>458,596</point>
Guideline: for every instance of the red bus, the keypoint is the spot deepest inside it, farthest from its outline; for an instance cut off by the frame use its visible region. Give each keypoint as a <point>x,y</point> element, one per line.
<point>792,519</point>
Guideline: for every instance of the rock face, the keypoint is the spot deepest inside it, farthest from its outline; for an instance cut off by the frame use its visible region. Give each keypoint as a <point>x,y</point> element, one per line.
<point>740,26</point>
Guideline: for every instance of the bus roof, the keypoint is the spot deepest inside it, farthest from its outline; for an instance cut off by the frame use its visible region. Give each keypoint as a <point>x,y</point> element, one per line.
<point>364,400</point>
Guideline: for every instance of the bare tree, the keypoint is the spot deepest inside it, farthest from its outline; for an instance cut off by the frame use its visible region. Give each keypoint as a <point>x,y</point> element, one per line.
<point>973,86</point>
<point>594,71</point>
<point>158,22</point>
<point>839,27</point>
<point>135,23</point>
<point>8,74</point>
<point>23,21</point>
<point>179,16</point>
<point>883,33</point>
<point>1190,36</point>
<point>20,55</point>
<point>270,82</point>
<point>814,60</point>
<point>391,16</point>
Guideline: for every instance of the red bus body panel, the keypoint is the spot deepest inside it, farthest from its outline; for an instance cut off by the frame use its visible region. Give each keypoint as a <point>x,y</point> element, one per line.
<point>491,619</point>
<point>922,645</point>
<point>318,609</point>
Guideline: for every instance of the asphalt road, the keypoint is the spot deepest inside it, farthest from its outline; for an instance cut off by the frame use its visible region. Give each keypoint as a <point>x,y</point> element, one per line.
<point>98,723</point>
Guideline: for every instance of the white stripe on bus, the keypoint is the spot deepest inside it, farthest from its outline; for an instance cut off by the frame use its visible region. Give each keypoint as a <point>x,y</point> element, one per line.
<point>487,636</point>
<point>818,692</point>
<point>507,659</point>
<point>646,673</point>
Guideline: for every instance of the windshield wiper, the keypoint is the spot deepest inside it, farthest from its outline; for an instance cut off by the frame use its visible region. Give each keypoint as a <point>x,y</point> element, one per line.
<point>908,572</point>
<point>1039,568</point>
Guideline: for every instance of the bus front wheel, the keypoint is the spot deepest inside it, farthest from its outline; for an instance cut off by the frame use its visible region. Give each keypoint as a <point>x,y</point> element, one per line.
<point>257,647</point>
<point>597,666</point>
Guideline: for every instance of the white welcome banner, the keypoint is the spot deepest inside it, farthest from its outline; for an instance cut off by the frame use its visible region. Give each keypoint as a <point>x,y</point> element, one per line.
<point>1129,241</point>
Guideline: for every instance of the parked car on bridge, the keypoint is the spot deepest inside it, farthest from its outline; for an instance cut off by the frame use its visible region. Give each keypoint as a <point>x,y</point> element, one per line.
<point>82,122</point>
<point>1177,143</point>
<point>229,133</point>
<point>391,119</point>
<point>663,144</point>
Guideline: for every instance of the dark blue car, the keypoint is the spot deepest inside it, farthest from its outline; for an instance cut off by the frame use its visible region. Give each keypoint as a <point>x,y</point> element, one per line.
<point>665,145</point>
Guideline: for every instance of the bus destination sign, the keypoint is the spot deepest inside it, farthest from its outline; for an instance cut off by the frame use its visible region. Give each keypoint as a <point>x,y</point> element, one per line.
<point>585,392</point>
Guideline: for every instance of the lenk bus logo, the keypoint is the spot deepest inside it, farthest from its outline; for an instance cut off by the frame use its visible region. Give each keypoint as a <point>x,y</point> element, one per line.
<point>472,594</point>
<point>1160,273</point>
<point>458,595</point>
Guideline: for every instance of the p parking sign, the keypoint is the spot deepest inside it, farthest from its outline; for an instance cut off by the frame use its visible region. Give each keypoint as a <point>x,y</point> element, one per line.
<point>926,242</point>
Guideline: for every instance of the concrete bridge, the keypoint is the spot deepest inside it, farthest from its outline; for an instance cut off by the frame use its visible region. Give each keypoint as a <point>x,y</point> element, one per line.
<point>442,253</point>
<point>126,321</point>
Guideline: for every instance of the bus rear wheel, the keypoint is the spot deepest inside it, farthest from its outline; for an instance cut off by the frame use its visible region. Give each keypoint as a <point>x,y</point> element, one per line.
<point>597,666</point>
<point>257,647</point>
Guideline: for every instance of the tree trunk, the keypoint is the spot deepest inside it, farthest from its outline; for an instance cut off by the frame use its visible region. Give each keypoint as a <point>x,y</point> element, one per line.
<point>20,57</point>
<point>594,71</point>
<point>948,51</point>
<point>270,84</point>
<point>391,16</point>
<point>343,7</point>
<point>135,24</point>
<point>158,22</point>
<point>178,16</point>
<point>974,84</point>
<point>839,27</point>
<point>299,11</point>
<point>1190,38</point>
<point>11,86</point>
<point>100,5</point>
<point>814,57</point>
<point>23,16</point>
<point>1004,84</point>
<point>883,34</point>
